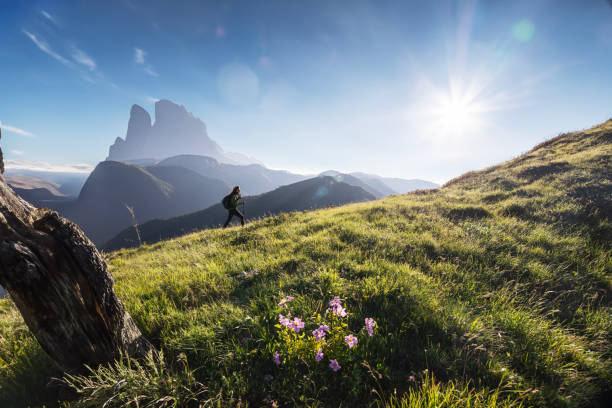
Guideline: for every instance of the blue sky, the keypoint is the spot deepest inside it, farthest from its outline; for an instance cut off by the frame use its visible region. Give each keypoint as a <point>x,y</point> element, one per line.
<point>412,89</point>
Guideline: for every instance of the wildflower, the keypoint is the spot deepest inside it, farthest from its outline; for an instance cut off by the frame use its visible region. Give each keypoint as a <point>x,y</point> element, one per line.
<point>296,325</point>
<point>284,321</point>
<point>283,302</point>
<point>335,302</point>
<point>319,355</point>
<point>276,358</point>
<point>318,334</point>
<point>333,364</point>
<point>411,378</point>
<point>350,340</point>
<point>339,311</point>
<point>336,307</point>
<point>370,324</point>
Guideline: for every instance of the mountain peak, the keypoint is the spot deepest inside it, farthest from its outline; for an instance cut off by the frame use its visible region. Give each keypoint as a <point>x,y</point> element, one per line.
<point>176,131</point>
<point>166,110</point>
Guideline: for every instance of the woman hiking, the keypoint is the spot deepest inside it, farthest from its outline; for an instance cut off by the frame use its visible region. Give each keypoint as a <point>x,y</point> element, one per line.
<point>230,202</point>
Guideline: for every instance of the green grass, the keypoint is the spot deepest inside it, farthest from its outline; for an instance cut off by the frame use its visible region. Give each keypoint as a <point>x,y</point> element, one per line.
<point>497,285</point>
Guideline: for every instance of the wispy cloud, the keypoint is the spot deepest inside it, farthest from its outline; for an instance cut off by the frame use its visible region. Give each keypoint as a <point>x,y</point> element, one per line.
<point>139,55</point>
<point>15,130</point>
<point>44,47</point>
<point>140,59</point>
<point>44,166</point>
<point>151,99</point>
<point>84,59</point>
<point>49,17</point>
<point>17,152</point>
<point>150,71</point>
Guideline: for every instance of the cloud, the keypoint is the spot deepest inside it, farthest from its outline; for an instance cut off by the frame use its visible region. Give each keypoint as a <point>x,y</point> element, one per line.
<point>151,99</point>
<point>44,166</point>
<point>49,17</point>
<point>15,130</point>
<point>140,59</point>
<point>17,152</point>
<point>44,47</point>
<point>139,55</point>
<point>84,59</point>
<point>149,70</point>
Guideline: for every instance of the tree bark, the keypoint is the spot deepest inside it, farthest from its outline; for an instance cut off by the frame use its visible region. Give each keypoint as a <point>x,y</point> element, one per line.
<point>62,287</point>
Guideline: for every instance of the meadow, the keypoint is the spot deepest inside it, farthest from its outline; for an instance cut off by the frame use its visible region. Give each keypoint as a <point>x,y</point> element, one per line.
<point>492,291</point>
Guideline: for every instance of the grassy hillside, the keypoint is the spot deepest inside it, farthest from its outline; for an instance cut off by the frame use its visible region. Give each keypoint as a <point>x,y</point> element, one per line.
<point>494,290</point>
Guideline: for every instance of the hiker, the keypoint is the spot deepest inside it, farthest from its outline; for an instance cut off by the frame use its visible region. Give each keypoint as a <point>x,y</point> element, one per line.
<point>230,202</point>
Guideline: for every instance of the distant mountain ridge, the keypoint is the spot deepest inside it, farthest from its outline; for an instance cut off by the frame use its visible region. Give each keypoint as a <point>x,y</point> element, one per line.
<point>175,131</point>
<point>318,192</point>
<point>152,192</point>
<point>381,186</point>
<point>253,178</point>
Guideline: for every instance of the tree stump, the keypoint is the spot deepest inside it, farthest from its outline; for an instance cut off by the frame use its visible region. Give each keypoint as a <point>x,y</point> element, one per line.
<point>62,287</point>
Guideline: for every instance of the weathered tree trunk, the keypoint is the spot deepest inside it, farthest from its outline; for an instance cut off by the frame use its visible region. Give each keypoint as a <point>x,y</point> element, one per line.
<point>62,286</point>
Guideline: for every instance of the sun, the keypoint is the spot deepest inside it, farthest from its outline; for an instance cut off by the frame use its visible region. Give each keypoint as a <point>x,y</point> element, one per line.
<point>456,115</point>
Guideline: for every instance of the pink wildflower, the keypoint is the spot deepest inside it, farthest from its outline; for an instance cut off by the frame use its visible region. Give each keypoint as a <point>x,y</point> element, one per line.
<point>283,302</point>
<point>296,325</point>
<point>336,306</point>
<point>319,355</point>
<point>333,364</point>
<point>276,358</point>
<point>350,340</point>
<point>284,321</point>
<point>370,324</point>
<point>339,311</point>
<point>411,378</point>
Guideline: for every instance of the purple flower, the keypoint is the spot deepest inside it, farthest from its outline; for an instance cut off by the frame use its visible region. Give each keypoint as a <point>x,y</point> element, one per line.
<point>336,306</point>
<point>276,358</point>
<point>284,321</point>
<point>320,332</point>
<point>283,302</point>
<point>333,364</point>
<point>297,325</point>
<point>370,324</point>
<point>411,378</point>
<point>319,355</point>
<point>339,311</point>
<point>335,302</point>
<point>350,340</point>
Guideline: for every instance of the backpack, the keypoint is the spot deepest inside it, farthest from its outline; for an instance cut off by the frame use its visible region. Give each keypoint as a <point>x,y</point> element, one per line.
<point>227,202</point>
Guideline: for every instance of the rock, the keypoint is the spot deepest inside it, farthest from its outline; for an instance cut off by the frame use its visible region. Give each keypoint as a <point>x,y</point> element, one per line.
<point>175,131</point>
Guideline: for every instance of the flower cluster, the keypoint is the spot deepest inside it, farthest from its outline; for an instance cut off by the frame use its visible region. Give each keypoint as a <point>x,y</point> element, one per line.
<point>370,324</point>
<point>284,301</point>
<point>323,337</point>
<point>320,333</point>
<point>350,340</point>
<point>296,324</point>
<point>336,307</point>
